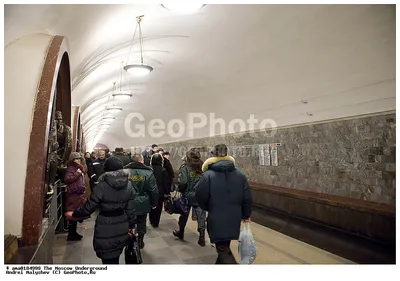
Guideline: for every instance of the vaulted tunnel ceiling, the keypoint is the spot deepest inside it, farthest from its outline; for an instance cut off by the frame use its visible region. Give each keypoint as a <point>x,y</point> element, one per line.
<point>231,60</point>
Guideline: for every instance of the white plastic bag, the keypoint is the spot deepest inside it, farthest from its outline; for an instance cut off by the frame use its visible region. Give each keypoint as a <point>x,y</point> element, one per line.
<point>247,245</point>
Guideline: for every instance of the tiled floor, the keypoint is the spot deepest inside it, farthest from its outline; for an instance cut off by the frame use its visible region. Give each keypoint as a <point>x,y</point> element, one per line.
<point>163,248</point>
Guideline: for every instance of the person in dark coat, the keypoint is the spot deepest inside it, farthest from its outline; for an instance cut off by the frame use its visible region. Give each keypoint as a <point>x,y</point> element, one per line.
<point>97,168</point>
<point>168,167</point>
<point>147,156</point>
<point>189,176</point>
<point>119,152</point>
<point>145,185</point>
<point>224,193</point>
<point>115,197</point>
<point>107,153</point>
<point>93,155</point>
<point>75,196</point>
<point>88,159</point>
<point>164,190</point>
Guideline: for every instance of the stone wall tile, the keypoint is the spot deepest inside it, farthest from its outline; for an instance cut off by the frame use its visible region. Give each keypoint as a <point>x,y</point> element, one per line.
<point>353,158</point>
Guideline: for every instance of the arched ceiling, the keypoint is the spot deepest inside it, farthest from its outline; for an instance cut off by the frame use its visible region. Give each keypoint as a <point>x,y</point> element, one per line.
<point>231,60</point>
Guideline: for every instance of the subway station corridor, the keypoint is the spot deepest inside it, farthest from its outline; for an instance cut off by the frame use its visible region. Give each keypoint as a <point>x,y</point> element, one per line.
<point>278,115</point>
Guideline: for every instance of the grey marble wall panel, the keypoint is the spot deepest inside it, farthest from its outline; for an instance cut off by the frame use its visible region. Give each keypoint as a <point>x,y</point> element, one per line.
<point>354,158</point>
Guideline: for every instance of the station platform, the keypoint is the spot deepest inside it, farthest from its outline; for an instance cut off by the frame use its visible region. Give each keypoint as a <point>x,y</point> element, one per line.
<point>161,247</point>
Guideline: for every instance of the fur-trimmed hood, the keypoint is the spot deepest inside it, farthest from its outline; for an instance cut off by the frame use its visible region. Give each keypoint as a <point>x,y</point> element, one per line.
<point>219,164</point>
<point>116,179</point>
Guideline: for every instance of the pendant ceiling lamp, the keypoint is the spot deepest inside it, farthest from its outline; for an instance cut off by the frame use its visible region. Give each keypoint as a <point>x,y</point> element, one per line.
<point>139,69</point>
<point>120,94</point>
<point>108,118</point>
<point>111,107</point>
<point>183,8</point>
<point>114,109</point>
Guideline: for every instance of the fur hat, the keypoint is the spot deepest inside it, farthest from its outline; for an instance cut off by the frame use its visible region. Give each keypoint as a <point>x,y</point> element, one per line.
<point>220,150</point>
<point>75,155</point>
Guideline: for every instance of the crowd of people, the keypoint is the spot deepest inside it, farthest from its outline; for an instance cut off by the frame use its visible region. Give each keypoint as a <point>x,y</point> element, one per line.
<point>127,188</point>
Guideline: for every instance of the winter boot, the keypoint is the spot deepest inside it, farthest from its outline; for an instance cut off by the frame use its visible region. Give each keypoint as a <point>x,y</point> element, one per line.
<point>140,240</point>
<point>202,239</point>
<point>74,237</point>
<point>179,233</point>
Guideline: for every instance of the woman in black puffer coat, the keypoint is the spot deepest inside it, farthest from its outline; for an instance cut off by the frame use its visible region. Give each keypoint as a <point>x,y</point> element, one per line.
<point>114,196</point>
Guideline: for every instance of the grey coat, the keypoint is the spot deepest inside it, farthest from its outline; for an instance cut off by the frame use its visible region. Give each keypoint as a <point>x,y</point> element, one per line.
<point>114,196</point>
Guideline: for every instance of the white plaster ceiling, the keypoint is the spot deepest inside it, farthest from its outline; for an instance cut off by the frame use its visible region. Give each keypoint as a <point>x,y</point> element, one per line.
<point>231,60</point>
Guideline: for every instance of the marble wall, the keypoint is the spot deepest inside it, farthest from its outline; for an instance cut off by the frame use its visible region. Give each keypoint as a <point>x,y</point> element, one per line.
<point>354,158</point>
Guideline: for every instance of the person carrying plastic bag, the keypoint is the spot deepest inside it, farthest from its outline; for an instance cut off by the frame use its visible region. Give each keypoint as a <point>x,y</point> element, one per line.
<point>223,192</point>
<point>247,245</point>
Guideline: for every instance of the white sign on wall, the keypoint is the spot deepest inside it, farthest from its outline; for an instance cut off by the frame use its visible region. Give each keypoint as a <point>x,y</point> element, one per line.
<point>267,156</point>
<point>274,156</point>
<point>261,155</point>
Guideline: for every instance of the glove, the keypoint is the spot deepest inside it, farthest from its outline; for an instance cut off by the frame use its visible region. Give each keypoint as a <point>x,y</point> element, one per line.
<point>131,231</point>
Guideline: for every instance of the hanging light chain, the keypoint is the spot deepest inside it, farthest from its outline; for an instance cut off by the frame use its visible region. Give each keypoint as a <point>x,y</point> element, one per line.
<point>139,20</point>
<point>120,78</point>
<point>130,48</point>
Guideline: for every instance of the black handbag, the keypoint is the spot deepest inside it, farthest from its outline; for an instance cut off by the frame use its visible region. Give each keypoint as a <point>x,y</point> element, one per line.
<point>132,251</point>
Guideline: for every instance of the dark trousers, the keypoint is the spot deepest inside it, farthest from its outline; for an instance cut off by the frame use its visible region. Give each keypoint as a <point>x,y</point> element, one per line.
<point>201,219</point>
<point>141,224</point>
<point>155,214</point>
<point>110,261</point>
<point>225,255</point>
<point>72,225</point>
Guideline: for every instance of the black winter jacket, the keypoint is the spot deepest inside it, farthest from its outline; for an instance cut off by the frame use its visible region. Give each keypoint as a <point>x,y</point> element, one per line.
<point>162,180</point>
<point>96,169</point>
<point>114,196</point>
<point>223,191</point>
<point>170,170</point>
<point>124,159</point>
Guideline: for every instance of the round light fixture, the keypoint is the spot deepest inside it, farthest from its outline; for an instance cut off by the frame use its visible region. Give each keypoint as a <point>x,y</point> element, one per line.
<point>114,108</point>
<point>122,95</point>
<point>108,117</point>
<point>138,69</point>
<point>183,8</point>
